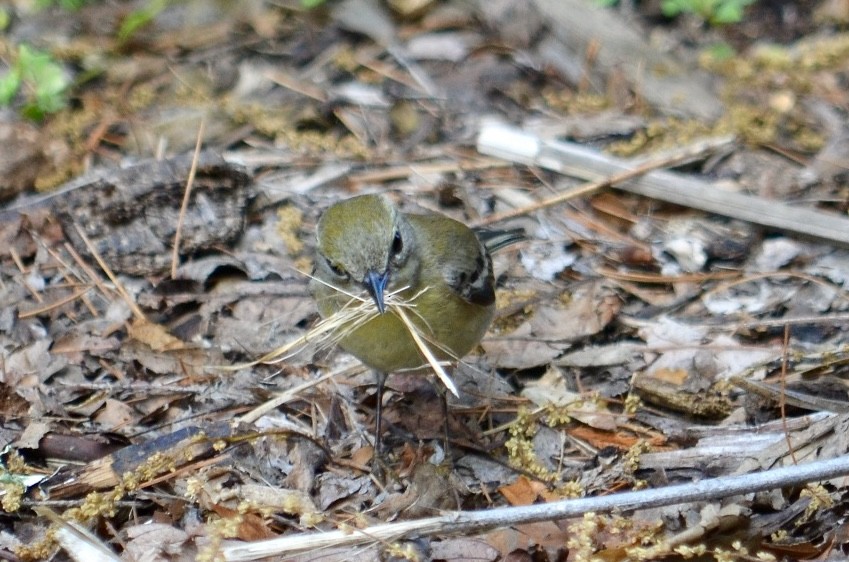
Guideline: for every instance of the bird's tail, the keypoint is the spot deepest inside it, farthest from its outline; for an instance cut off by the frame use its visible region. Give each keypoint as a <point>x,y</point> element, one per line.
<point>495,240</point>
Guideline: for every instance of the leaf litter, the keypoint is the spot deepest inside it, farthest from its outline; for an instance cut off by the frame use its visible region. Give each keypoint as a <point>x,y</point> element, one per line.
<point>638,344</point>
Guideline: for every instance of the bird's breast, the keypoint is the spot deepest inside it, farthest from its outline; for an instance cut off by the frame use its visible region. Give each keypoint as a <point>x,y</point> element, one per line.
<point>447,324</point>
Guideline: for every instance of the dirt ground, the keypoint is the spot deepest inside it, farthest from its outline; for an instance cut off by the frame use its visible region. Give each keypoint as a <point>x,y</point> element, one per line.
<point>165,393</point>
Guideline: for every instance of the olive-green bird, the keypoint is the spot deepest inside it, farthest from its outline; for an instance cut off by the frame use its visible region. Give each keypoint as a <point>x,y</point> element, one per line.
<point>368,249</point>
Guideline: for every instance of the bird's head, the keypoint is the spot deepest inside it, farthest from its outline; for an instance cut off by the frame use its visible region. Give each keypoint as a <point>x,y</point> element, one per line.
<point>366,243</point>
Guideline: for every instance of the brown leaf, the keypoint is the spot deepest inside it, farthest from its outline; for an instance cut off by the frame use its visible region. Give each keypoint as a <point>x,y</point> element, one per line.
<point>521,350</point>
<point>252,526</point>
<point>157,541</point>
<point>589,310</point>
<point>12,404</point>
<point>154,335</point>
<point>543,534</point>
<point>523,491</point>
<point>115,414</point>
<point>23,156</point>
<point>552,328</point>
<point>32,435</point>
<point>292,502</point>
<point>462,548</point>
<point>31,364</point>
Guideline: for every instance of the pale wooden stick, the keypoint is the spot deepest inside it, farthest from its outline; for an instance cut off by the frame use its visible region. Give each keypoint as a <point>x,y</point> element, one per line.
<point>571,159</point>
<point>490,138</point>
<point>466,522</point>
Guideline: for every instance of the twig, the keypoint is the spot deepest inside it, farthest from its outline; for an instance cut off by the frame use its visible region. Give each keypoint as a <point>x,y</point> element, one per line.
<point>661,279</point>
<point>20,265</point>
<point>134,308</point>
<point>782,395</point>
<point>465,522</point>
<point>406,170</point>
<point>579,161</point>
<point>684,155</point>
<point>296,85</point>
<point>284,397</point>
<point>66,267</point>
<point>175,254</point>
<point>782,402</point>
<point>79,542</point>
<point>43,309</point>
<point>518,146</point>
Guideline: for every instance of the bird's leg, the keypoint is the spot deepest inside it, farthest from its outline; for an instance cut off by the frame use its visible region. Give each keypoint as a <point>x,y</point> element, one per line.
<point>443,396</point>
<point>377,460</point>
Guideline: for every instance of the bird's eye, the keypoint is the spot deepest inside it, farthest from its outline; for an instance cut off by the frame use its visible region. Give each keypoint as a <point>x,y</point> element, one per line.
<point>397,244</point>
<point>337,270</point>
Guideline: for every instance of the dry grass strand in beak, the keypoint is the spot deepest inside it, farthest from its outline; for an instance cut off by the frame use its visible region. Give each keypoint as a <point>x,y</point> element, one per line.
<point>326,333</point>
<point>431,358</point>
<point>323,335</point>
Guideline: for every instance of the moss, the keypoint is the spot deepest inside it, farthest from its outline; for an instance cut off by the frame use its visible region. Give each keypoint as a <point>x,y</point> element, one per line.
<point>290,219</point>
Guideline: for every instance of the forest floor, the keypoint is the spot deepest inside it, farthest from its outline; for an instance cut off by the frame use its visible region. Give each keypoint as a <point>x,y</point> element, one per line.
<point>645,337</point>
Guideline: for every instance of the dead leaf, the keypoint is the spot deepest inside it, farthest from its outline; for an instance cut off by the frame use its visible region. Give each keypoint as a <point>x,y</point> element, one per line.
<point>521,350</point>
<point>32,435</point>
<point>455,549</point>
<point>252,526</point>
<point>543,534</point>
<point>551,389</point>
<point>157,541</point>
<point>13,404</point>
<point>522,491</point>
<point>115,414</point>
<point>552,327</point>
<point>154,335</point>
<point>31,364</point>
<point>293,502</point>
<point>599,439</point>
<point>23,157</point>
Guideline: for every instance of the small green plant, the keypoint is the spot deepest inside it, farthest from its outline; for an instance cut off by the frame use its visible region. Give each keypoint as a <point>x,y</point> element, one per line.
<point>720,52</point>
<point>715,12</point>
<point>140,18</point>
<point>39,78</point>
<point>71,5</point>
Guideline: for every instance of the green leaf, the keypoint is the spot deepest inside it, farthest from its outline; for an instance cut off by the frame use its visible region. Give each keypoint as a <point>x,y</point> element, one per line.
<point>44,79</point>
<point>140,18</point>
<point>671,8</point>
<point>721,51</point>
<point>9,86</point>
<point>70,5</point>
<point>37,67</point>
<point>32,112</point>
<point>717,12</point>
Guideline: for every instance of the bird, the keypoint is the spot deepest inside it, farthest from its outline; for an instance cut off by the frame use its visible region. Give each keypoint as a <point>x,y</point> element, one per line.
<point>422,273</point>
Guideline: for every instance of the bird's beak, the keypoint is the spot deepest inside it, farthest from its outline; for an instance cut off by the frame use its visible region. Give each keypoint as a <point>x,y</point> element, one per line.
<point>375,284</point>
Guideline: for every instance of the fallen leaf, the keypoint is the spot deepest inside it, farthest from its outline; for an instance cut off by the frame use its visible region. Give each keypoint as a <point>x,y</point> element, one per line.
<point>153,335</point>
<point>523,491</point>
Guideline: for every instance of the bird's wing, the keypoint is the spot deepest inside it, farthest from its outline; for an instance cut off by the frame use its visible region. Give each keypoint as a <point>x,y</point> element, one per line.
<point>451,250</point>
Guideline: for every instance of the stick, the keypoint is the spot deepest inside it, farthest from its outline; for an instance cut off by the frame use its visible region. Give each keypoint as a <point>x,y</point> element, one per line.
<point>513,144</point>
<point>466,522</point>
